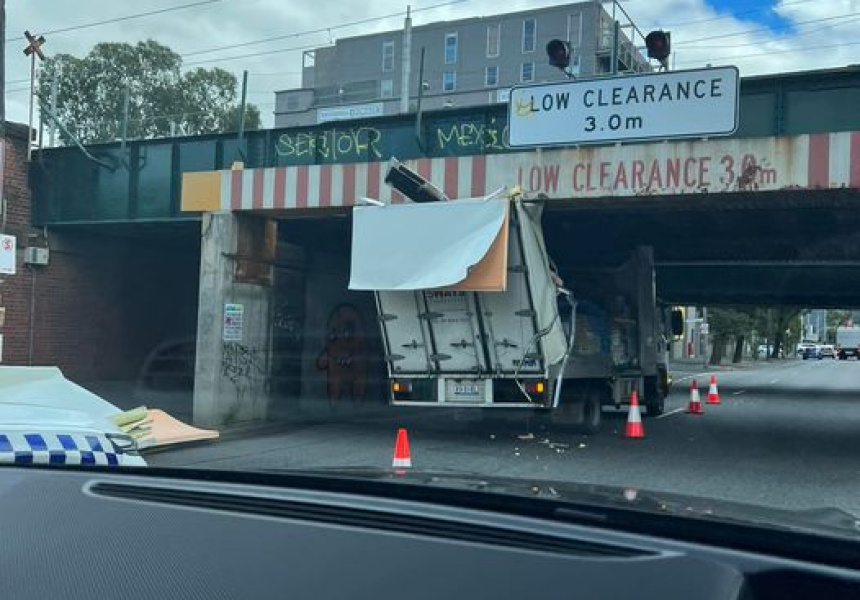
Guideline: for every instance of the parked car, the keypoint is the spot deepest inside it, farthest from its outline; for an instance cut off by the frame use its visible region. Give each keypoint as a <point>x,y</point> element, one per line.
<point>826,351</point>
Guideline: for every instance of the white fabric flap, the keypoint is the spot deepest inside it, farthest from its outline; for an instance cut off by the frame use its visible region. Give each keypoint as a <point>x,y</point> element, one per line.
<point>422,246</point>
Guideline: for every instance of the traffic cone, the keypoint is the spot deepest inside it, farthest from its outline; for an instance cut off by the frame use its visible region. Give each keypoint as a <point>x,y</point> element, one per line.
<point>695,406</point>
<point>634,419</point>
<point>713,394</point>
<point>401,451</point>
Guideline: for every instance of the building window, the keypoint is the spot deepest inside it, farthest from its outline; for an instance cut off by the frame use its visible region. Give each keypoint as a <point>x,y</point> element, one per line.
<point>386,88</point>
<point>450,48</point>
<point>491,76</point>
<point>527,72</point>
<point>388,56</point>
<point>493,34</point>
<point>529,35</point>
<point>574,30</point>
<point>449,81</point>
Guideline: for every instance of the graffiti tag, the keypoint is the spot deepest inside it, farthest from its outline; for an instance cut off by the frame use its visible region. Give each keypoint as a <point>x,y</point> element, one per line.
<point>239,363</point>
<point>359,143</point>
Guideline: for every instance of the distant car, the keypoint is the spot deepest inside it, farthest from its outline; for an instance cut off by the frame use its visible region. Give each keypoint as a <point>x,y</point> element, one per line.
<point>846,352</point>
<point>826,351</point>
<point>803,348</point>
<point>764,350</point>
<point>809,352</point>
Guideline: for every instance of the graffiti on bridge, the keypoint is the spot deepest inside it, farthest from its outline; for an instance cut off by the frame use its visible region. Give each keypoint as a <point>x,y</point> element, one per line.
<point>359,144</point>
<point>240,363</point>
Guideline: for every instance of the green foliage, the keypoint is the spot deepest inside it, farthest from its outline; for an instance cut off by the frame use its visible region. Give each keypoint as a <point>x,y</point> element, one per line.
<point>92,90</point>
<point>726,323</point>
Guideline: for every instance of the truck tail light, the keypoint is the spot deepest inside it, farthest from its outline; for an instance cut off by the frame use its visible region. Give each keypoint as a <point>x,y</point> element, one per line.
<point>536,387</point>
<point>401,389</point>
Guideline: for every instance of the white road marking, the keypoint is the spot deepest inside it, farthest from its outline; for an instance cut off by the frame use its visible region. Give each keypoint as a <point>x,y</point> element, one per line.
<point>739,392</point>
<point>670,413</point>
<point>774,381</point>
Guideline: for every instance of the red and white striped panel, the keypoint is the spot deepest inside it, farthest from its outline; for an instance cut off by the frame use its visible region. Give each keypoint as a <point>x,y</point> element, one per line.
<point>834,160</point>
<point>326,186</point>
<point>827,160</point>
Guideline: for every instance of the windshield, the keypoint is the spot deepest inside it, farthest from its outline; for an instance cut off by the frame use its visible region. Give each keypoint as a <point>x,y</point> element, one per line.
<point>606,245</point>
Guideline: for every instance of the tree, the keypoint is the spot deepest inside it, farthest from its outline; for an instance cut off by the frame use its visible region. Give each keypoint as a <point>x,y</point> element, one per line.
<point>161,99</point>
<point>780,325</point>
<point>726,324</point>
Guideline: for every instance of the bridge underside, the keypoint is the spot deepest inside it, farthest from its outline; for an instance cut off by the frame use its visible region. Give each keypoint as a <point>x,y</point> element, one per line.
<point>787,247</point>
<point>797,247</point>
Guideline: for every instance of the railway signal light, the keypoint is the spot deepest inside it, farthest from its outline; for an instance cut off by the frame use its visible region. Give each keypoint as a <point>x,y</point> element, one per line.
<point>558,52</point>
<point>659,46</point>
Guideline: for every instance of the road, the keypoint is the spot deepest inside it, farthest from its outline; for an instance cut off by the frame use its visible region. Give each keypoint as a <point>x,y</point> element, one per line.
<point>785,435</point>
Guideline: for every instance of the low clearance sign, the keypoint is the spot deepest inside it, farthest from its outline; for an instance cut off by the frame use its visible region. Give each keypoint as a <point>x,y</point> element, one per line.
<point>698,103</point>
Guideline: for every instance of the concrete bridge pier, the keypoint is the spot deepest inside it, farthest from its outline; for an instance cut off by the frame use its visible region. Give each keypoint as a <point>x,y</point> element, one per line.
<point>234,326</point>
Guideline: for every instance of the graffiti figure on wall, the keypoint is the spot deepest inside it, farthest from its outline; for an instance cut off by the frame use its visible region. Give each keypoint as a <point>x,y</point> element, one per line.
<point>344,357</point>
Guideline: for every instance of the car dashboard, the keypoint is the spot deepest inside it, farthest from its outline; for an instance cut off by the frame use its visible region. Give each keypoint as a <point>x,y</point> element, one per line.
<point>100,533</point>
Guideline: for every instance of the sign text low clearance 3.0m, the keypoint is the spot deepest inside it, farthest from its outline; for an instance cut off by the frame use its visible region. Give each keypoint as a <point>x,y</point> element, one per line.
<point>672,104</point>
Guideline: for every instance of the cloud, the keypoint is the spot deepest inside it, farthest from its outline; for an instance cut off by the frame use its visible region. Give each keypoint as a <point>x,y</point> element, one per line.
<point>755,49</point>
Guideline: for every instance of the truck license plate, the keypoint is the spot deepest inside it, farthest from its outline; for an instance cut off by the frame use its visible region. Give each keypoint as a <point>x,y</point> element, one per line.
<point>467,390</point>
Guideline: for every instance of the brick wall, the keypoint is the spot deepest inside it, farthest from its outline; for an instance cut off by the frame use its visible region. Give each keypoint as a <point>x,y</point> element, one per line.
<point>108,296</point>
<point>14,289</point>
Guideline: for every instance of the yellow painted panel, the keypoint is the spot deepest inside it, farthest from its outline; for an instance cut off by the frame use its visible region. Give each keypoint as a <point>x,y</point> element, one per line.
<point>201,192</point>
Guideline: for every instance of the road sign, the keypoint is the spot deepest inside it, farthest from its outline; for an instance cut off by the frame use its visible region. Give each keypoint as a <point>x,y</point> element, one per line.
<point>704,328</point>
<point>7,254</point>
<point>671,104</point>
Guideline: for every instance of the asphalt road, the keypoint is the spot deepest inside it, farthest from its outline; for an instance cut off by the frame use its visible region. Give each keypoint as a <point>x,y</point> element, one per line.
<point>785,435</point>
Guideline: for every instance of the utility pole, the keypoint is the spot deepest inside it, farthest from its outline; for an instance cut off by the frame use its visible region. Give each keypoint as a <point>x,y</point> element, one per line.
<point>33,50</point>
<point>406,63</point>
<point>616,39</point>
<point>243,104</point>
<point>55,87</point>
<point>2,73</point>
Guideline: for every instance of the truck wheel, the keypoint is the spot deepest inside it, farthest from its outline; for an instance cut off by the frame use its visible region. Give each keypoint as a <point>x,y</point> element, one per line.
<point>592,413</point>
<point>582,411</point>
<point>655,400</point>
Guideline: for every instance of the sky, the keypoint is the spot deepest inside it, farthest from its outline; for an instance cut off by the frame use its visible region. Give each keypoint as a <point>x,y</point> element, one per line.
<point>758,36</point>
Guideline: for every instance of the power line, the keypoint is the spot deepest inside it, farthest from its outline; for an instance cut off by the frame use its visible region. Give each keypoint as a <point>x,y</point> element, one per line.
<point>728,35</point>
<point>319,30</point>
<point>120,19</point>
<point>802,34</point>
<point>769,52</point>
<point>240,56</point>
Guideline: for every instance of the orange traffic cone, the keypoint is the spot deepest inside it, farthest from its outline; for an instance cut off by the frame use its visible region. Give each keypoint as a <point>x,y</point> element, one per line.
<point>695,406</point>
<point>634,419</point>
<point>713,394</point>
<point>401,451</point>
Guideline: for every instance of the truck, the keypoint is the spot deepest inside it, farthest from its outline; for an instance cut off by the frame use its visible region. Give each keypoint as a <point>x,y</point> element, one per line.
<point>475,314</point>
<point>847,342</point>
